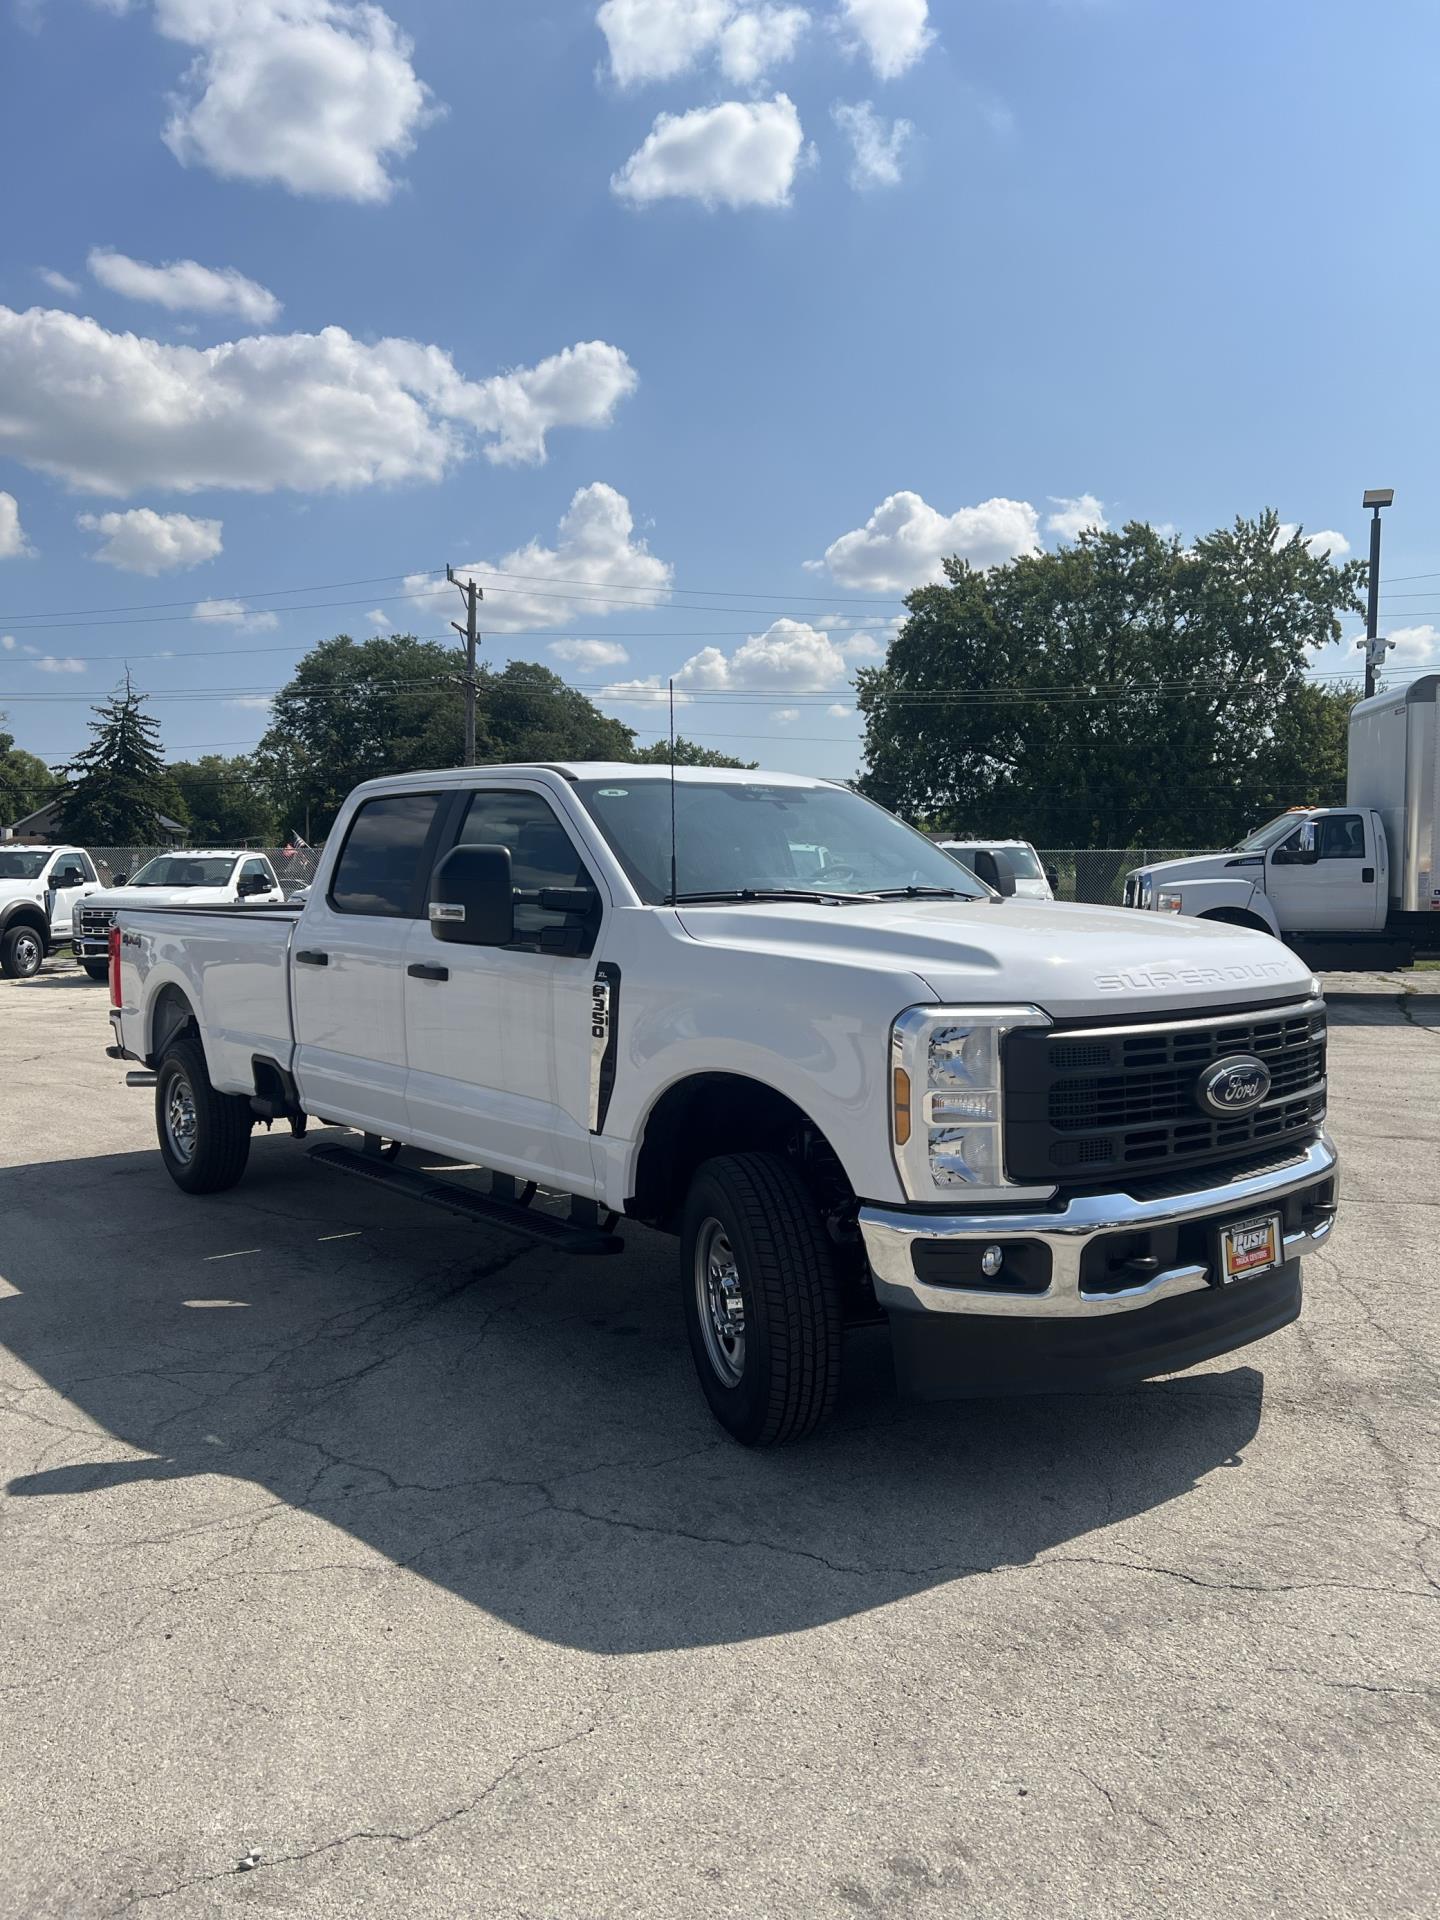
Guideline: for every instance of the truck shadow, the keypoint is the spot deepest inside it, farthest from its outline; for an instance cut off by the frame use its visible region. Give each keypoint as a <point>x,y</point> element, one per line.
<point>522,1430</point>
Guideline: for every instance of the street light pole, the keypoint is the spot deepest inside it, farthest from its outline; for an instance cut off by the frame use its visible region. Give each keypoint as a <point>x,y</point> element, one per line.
<point>1375,647</point>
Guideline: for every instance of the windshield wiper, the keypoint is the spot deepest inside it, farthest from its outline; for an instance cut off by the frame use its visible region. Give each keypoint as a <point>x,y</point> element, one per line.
<point>721,894</point>
<point>921,893</point>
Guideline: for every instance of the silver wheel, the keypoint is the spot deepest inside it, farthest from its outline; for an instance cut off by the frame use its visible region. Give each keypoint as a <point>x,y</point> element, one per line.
<point>720,1302</point>
<point>28,954</point>
<point>181,1125</point>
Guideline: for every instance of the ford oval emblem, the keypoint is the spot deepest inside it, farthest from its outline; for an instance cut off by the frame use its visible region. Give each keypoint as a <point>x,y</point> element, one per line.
<point>1234,1085</point>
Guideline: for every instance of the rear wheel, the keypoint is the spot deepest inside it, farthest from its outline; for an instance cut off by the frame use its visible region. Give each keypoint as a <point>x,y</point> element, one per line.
<point>204,1135</point>
<point>21,953</point>
<point>97,970</point>
<point>762,1304</point>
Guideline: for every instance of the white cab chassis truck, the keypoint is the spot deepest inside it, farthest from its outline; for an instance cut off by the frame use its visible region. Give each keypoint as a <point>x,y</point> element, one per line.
<point>1054,1146</point>
<point>1351,886</point>
<point>40,890</point>
<point>204,877</point>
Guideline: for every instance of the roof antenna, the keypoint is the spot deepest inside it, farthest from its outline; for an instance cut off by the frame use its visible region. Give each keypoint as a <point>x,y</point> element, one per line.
<point>674,881</point>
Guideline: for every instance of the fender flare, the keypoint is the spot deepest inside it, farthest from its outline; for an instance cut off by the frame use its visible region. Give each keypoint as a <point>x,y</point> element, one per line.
<point>26,913</point>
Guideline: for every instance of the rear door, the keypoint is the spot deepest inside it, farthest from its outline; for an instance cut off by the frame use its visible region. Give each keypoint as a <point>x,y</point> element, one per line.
<point>348,963</point>
<point>499,1038</point>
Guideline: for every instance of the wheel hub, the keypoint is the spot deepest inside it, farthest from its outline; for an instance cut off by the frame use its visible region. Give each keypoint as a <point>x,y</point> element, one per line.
<point>27,953</point>
<point>180,1119</point>
<point>720,1300</point>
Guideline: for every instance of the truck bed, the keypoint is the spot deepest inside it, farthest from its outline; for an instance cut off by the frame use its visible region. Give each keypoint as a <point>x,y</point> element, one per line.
<point>231,965</point>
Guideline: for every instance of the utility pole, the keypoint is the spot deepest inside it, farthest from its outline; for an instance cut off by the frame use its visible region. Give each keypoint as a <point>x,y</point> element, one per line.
<point>471,594</point>
<point>1375,647</point>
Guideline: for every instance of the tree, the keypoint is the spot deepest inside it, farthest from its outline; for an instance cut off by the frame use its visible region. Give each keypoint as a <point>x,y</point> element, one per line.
<point>393,704</point>
<point>222,800</point>
<point>1122,691</point>
<point>118,786</point>
<point>25,781</point>
<point>687,754</point>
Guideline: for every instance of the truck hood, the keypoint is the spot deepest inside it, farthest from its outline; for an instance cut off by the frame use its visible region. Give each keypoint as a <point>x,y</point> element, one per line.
<point>21,890</point>
<point>1206,866</point>
<point>1075,962</point>
<point>159,897</point>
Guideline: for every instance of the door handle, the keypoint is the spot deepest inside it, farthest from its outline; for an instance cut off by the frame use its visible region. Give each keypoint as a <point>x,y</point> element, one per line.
<point>422,972</point>
<point>1367,873</point>
<point>309,958</point>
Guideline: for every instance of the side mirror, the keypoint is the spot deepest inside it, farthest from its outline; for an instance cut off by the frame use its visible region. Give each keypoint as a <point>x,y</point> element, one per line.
<point>994,871</point>
<point>119,879</point>
<point>1052,880</point>
<point>253,883</point>
<point>472,898</point>
<point>1300,856</point>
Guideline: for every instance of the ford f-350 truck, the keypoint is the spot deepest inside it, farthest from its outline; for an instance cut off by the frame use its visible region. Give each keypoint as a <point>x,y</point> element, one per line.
<point>1055,1146</point>
<point>1351,886</point>
<point>40,890</point>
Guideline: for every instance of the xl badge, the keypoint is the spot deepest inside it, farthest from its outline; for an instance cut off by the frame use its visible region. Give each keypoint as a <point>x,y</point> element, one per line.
<point>1234,1085</point>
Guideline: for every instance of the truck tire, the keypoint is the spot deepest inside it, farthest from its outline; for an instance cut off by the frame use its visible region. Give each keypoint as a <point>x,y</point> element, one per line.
<point>97,970</point>
<point>204,1135</point>
<point>762,1304</point>
<point>22,952</point>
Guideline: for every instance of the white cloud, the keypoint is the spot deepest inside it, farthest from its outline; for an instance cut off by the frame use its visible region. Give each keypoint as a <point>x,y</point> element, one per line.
<point>595,549</point>
<point>58,282</point>
<point>839,712</point>
<point>13,544</point>
<point>590,653</point>
<point>252,702</point>
<point>185,286</point>
<point>1415,647</point>
<point>904,541</point>
<point>143,541</point>
<point>738,154</point>
<point>652,40</point>
<point>875,145</point>
<point>318,96</point>
<point>379,619</point>
<point>1073,516</point>
<point>235,613</point>
<point>790,656</point>
<point>892,34</point>
<point>114,412</point>
<point>1318,544</point>
<point>784,716</point>
<point>7,642</point>
<point>49,664</point>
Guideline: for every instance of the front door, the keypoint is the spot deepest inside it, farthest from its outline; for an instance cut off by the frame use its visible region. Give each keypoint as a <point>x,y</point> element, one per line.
<point>348,964</point>
<point>68,883</point>
<point>1341,891</point>
<point>500,1053</point>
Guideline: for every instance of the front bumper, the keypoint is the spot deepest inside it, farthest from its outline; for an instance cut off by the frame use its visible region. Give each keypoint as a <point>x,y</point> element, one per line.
<point>1108,1288</point>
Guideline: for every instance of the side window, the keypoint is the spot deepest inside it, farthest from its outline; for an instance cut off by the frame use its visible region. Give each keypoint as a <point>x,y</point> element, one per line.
<point>381,869</point>
<point>87,867</point>
<point>67,872</point>
<point>257,870</point>
<point>1341,836</point>
<point>542,854</point>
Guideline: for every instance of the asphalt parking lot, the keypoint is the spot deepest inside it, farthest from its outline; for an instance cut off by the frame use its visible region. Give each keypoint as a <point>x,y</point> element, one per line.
<point>407,1558</point>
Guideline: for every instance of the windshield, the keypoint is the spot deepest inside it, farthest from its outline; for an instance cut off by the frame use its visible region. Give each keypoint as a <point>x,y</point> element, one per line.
<point>743,836</point>
<point>1265,837</point>
<point>183,870</point>
<point>15,865</point>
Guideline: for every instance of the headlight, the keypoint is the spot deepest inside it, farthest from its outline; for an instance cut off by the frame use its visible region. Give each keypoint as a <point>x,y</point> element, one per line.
<point>947,1101</point>
<point>1169,902</point>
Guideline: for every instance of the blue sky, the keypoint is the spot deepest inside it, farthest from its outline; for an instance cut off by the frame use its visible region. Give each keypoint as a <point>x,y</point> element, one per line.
<point>734,312</point>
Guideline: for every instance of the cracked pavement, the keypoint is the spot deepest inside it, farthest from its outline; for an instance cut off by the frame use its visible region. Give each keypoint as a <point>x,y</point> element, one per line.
<point>406,1557</point>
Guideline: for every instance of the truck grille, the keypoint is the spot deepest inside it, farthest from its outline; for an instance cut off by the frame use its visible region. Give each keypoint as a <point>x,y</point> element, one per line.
<point>94,922</point>
<point>1083,1105</point>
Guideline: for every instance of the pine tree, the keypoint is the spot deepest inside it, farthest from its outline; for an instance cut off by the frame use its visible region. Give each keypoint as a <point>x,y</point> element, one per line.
<point>119,784</point>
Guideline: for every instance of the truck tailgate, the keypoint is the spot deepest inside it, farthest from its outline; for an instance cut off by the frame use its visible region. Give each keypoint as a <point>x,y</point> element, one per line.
<point>231,965</point>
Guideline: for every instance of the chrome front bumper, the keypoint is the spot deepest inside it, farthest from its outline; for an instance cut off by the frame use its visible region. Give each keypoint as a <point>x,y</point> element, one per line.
<point>890,1235</point>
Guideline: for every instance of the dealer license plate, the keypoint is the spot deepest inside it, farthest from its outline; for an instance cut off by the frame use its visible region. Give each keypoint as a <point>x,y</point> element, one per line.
<point>1249,1247</point>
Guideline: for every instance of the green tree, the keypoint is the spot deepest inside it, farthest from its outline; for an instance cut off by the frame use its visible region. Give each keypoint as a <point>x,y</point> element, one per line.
<point>1122,691</point>
<point>222,800</point>
<point>118,786</point>
<point>25,781</point>
<point>357,709</point>
<point>688,753</point>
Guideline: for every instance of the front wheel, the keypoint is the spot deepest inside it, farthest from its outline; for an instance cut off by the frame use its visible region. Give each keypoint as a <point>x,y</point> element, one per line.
<point>204,1135</point>
<point>97,970</point>
<point>21,953</point>
<point>762,1304</point>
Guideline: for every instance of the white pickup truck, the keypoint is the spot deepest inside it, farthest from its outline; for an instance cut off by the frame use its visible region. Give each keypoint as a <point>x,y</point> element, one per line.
<point>40,888</point>
<point>204,877</point>
<point>1054,1145</point>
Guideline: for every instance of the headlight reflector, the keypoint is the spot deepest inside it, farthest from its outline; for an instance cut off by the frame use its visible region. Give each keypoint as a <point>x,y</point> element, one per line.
<point>947,1130</point>
<point>1169,902</point>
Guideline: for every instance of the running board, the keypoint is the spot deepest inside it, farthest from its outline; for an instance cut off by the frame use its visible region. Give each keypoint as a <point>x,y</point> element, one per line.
<point>567,1236</point>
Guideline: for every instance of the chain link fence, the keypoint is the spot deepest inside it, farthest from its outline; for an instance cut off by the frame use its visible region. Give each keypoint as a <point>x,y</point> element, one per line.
<point>294,866</point>
<point>1097,874</point>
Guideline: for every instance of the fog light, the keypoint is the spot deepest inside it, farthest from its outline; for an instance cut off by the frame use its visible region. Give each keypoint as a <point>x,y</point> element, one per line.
<point>991,1261</point>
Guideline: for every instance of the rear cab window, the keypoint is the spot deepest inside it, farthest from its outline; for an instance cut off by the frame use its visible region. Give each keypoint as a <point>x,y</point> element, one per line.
<point>384,865</point>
